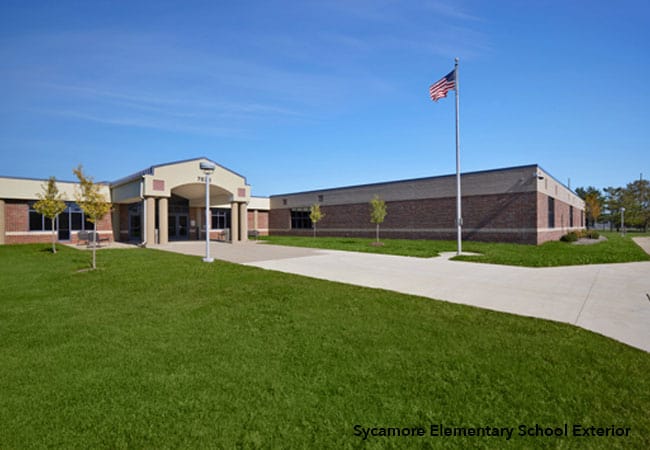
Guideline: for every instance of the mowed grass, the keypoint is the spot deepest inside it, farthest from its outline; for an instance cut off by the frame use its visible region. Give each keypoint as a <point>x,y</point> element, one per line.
<point>159,350</point>
<point>615,249</point>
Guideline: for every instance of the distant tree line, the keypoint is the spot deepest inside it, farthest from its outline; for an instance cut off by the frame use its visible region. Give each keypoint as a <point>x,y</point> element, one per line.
<point>607,205</point>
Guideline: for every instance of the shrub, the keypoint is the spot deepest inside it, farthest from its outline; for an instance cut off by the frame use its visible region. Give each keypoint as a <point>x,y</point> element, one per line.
<point>571,236</point>
<point>592,234</point>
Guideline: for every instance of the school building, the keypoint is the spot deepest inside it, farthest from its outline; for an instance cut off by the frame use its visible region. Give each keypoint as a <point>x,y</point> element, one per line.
<point>166,202</point>
<point>517,204</point>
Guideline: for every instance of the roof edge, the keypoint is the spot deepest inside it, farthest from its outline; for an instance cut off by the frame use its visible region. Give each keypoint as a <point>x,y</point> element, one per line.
<point>408,180</point>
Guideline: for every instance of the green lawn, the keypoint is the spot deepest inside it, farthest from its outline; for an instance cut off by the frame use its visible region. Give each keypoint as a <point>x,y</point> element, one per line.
<point>614,250</point>
<point>159,350</point>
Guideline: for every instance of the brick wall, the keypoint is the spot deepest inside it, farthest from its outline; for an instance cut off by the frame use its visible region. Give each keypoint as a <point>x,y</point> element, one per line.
<point>562,219</point>
<point>497,217</point>
<point>17,226</point>
<point>16,216</point>
<point>263,219</point>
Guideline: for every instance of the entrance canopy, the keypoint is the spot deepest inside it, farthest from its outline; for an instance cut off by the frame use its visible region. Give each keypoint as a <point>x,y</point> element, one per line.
<point>162,188</point>
<point>184,178</point>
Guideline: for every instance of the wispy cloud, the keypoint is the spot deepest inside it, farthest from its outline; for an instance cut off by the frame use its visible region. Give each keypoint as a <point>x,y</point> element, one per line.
<point>147,121</point>
<point>158,79</point>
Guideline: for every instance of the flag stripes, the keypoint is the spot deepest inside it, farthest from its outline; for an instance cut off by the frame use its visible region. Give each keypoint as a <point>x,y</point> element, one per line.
<point>440,88</point>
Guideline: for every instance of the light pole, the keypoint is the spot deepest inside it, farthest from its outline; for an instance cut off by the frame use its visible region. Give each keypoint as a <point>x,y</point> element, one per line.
<point>622,221</point>
<point>207,169</point>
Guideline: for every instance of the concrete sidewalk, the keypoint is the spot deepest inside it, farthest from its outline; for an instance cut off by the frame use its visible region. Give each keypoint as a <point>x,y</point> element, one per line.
<point>610,299</point>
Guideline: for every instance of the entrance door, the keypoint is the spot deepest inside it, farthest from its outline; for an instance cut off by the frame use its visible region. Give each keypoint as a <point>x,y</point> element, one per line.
<point>135,221</point>
<point>178,226</point>
<point>64,226</point>
<point>135,228</point>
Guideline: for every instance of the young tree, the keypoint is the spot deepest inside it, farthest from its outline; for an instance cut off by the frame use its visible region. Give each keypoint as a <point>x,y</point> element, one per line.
<point>594,202</point>
<point>92,202</point>
<point>50,204</point>
<point>377,213</point>
<point>315,215</point>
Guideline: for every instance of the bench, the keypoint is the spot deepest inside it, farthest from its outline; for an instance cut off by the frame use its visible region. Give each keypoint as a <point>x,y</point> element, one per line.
<point>88,237</point>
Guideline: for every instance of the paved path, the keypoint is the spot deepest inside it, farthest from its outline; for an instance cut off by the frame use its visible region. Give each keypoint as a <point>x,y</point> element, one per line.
<point>643,242</point>
<point>610,299</point>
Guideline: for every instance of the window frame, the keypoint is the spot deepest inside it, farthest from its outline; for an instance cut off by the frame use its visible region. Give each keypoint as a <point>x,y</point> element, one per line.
<point>300,219</point>
<point>551,212</point>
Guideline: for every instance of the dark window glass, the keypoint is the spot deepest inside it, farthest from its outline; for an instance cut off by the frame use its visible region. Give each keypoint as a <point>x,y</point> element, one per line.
<point>76,220</point>
<point>571,216</point>
<point>300,218</point>
<point>551,212</point>
<point>220,218</point>
<point>72,215</point>
<point>35,221</point>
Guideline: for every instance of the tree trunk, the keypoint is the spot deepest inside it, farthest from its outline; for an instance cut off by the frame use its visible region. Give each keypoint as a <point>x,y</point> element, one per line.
<point>94,243</point>
<point>378,233</point>
<point>314,230</point>
<point>53,237</point>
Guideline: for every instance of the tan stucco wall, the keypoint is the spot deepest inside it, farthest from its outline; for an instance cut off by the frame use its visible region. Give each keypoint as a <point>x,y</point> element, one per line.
<point>513,180</point>
<point>551,187</point>
<point>126,193</point>
<point>259,203</point>
<point>188,173</point>
<point>27,189</point>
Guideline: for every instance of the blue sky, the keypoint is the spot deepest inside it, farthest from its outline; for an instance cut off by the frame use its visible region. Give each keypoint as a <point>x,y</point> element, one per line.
<point>300,95</point>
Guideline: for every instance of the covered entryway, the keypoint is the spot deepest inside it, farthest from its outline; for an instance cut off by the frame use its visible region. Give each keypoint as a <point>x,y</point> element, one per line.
<point>172,199</point>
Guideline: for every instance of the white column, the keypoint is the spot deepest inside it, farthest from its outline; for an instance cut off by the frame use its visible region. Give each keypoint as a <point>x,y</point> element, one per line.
<point>234,222</point>
<point>243,222</point>
<point>150,207</point>
<point>163,216</point>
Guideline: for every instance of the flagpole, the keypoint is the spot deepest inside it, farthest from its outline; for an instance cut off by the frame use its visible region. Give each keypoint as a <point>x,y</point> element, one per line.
<point>459,216</point>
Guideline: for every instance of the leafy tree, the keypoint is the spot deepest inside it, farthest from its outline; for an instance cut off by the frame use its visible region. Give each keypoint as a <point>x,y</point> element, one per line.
<point>377,213</point>
<point>594,202</point>
<point>315,215</point>
<point>613,203</point>
<point>93,203</point>
<point>50,204</point>
<point>636,199</point>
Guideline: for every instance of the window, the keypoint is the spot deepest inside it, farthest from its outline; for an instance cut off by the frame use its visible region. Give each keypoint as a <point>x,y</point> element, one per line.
<point>300,218</point>
<point>72,215</point>
<point>571,216</point>
<point>551,212</point>
<point>220,218</point>
<point>37,221</point>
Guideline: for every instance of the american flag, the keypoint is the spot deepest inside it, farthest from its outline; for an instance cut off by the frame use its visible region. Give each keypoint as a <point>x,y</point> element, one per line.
<point>440,88</point>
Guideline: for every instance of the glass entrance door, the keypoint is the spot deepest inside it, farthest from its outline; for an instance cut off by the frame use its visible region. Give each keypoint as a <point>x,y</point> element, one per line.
<point>182,226</point>
<point>178,226</point>
<point>135,229</point>
<point>64,226</point>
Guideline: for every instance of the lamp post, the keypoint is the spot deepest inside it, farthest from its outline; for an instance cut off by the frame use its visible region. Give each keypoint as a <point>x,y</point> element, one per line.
<point>622,221</point>
<point>207,169</point>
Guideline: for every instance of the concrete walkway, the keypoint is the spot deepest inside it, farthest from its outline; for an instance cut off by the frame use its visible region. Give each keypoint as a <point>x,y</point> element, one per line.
<point>643,242</point>
<point>610,299</point>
